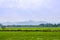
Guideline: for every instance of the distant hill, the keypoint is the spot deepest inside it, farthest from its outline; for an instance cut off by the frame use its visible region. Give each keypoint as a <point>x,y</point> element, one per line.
<point>24,23</point>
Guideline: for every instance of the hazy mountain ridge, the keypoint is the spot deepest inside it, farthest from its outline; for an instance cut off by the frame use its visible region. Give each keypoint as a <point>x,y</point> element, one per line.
<point>24,23</point>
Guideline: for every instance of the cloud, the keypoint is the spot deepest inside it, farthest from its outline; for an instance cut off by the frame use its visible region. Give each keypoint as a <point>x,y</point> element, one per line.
<point>24,4</point>
<point>17,10</point>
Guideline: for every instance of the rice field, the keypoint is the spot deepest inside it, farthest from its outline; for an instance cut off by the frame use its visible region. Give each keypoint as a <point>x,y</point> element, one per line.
<point>32,28</point>
<point>29,35</point>
<point>9,35</point>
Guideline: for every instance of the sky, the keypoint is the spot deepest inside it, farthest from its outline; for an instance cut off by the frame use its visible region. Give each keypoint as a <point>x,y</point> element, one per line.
<point>25,10</point>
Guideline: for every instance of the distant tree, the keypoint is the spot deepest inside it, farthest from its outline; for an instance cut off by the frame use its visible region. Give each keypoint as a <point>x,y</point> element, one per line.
<point>55,25</point>
<point>46,25</point>
<point>2,26</point>
<point>49,25</point>
<point>58,25</point>
<point>42,25</point>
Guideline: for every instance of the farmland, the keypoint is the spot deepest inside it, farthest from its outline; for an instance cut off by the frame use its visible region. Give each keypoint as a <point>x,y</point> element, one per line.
<point>32,28</point>
<point>29,35</point>
<point>22,35</point>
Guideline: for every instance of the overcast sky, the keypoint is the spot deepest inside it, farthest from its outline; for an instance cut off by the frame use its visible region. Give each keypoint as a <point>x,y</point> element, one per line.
<point>25,10</point>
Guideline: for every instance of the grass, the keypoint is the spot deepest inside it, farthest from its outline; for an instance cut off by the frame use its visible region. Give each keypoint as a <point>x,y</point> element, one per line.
<point>8,35</point>
<point>29,35</point>
<point>32,28</point>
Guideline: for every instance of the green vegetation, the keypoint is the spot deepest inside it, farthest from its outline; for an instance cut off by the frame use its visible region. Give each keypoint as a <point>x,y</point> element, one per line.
<point>29,35</point>
<point>17,34</point>
<point>20,35</point>
<point>32,28</point>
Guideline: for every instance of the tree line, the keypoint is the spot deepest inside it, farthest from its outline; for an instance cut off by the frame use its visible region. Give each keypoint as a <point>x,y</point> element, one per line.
<point>49,25</point>
<point>40,25</point>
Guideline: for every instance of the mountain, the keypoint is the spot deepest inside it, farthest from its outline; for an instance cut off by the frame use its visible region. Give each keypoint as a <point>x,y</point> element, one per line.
<point>24,23</point>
